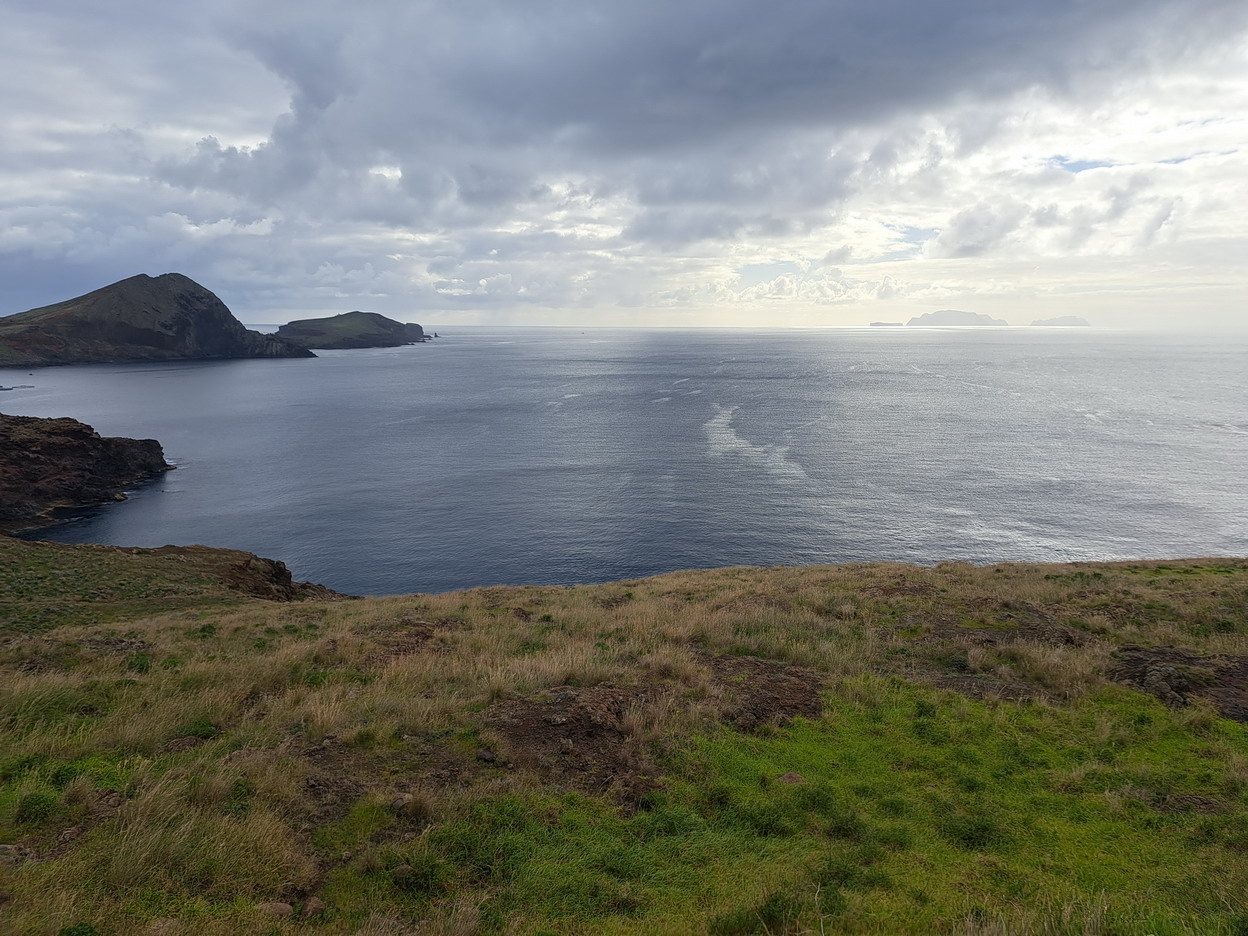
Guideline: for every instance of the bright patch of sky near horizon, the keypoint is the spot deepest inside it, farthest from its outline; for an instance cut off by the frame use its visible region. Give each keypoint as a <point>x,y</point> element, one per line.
<point>592,163</point>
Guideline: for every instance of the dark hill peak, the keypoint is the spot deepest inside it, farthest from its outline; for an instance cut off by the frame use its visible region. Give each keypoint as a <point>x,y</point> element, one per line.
<point>141,318</point>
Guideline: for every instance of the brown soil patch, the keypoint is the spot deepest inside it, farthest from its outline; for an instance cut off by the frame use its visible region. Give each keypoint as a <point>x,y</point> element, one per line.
<point>580,737</point>
<point>103,806</point>
<point>341,773</point>
<point>1175,676</point>
<point>899,589</point>
<point>979,686</point>
<point>753,603</point>
<point>576,737</point>
<point>1188,802</point>
<point>765,691</point>
<point>406,636</point>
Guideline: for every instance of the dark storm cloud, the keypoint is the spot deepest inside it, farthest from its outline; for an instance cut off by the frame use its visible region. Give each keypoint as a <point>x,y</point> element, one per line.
<point>267,143</point>
<point>730,105</point>
<point>647,75</point>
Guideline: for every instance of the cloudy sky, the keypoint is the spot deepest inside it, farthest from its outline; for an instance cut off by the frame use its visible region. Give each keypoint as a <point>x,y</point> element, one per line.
<point>717,162</point>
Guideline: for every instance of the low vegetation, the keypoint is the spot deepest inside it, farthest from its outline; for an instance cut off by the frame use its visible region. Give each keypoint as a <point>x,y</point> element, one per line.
<point>867,749</point>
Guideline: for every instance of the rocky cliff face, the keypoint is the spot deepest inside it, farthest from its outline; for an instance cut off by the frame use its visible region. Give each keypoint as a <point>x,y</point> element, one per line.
<point>143,318</point>
<point>351,330</point>
<point>51,463</point>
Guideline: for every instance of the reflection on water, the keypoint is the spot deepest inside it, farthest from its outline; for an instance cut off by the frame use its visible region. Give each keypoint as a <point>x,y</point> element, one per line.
<point>549,455</point>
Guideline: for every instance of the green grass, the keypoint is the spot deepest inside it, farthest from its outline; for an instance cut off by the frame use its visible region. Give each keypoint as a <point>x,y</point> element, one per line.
<point>177,751</point>
<point>918,810</point>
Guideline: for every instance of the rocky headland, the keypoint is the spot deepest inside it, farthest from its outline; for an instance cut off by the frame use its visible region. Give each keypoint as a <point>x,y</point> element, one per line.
<point>955,317</point>
<point>351,330</point>
<point>46,464</point>
<point>143,318</point>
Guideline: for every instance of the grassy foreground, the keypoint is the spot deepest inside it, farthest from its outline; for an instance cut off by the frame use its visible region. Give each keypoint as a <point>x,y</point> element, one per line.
<point>869,749</point>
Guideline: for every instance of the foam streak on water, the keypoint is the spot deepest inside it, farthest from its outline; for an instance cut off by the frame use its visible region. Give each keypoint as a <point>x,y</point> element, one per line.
<point>549,455</point>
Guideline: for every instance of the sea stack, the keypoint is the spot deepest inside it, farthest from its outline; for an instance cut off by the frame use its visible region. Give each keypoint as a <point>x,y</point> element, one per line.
<point>143,318</point>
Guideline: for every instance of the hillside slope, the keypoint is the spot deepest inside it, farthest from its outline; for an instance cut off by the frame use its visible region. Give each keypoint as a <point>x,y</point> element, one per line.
<point>351,330</point>
<point>874,749</point>
<point>143,318</point>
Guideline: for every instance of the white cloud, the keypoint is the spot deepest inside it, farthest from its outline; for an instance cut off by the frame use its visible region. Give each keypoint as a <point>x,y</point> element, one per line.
<point>573,163</point>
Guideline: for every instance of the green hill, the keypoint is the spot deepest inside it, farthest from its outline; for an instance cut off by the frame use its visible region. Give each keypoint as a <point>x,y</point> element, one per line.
<point>351,330</point>
<point>876,749</point>
<point>143,318</point>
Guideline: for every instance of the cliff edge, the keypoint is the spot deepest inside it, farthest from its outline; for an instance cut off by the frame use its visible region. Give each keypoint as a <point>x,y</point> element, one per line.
<point>51,463</point>
<point>144,318</point>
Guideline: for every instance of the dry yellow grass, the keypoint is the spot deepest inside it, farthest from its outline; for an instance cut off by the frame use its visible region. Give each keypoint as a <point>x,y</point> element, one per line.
<point>209,722</point>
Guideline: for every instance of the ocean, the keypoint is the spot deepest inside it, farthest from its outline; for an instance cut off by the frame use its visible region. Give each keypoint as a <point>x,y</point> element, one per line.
<point>550,455</point>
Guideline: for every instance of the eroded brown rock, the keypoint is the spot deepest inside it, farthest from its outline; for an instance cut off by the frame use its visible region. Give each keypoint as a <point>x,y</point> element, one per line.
<point>47,464</point>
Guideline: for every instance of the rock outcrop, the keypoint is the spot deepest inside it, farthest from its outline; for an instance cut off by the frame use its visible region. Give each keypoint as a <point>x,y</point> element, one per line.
<point>143,318</point>
<point>955,317</point>
<point>47,464</point>
<point>1064,321</point>
<point>351,330</point>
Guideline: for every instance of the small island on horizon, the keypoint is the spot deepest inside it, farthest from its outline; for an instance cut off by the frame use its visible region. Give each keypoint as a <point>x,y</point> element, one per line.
<point>352,330</point>
<point>948,317</point>
<point>1063,321</point>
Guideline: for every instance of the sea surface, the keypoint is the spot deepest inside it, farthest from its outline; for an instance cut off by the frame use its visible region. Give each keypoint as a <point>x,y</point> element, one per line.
<point>543,455</point>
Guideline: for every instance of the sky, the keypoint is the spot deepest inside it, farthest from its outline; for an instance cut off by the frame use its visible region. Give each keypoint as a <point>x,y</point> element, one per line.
<point>678,163</point>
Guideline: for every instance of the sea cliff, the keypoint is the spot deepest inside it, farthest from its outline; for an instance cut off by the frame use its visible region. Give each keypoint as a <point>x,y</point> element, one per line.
<point>46,464</point>
<point>143,318</point>
<point>351,330</point>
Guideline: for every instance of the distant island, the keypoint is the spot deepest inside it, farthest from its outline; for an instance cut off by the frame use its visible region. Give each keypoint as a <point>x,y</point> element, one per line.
<point>351,330</point>
<point>143,318</point>
<point>955,317</point>
<point>46,464</point>
<point>1064,321</point>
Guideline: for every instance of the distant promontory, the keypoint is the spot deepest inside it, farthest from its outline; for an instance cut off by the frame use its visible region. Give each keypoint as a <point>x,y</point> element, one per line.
<point>955,317</point>
<point>143,318</point>
<point>351,330</point>
<point>1064,321</point>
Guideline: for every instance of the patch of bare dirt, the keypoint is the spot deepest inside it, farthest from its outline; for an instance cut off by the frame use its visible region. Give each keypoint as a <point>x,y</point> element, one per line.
<point>408,635</point>
<point>340,773</point>
<point>899,589</point>
<point>765,691</point>
<point>753,602</point>
<point>116,644</point>
<point>102,805</point>
<point>1003,624</point>
<point>945,639</point>
<point>1188,802</point>
<point>979,686</point>
<point>1176,676</point>
<point>577,737</point>
<point>580,738</point>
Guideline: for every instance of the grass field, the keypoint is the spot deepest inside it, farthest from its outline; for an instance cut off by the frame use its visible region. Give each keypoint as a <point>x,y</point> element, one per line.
<point>870,749</point>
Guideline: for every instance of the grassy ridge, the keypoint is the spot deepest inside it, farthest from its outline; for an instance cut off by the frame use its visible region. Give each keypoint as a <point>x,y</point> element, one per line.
<point>859,749</point>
